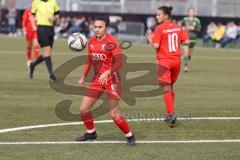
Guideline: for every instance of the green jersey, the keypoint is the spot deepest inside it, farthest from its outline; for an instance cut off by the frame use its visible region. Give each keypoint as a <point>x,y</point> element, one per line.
<point>195,23</point>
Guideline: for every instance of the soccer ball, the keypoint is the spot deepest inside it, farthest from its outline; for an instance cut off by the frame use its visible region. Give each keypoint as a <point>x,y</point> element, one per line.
<point>77,42</point>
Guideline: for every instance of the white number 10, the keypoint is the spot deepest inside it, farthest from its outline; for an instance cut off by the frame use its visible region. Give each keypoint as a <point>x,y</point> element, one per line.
<point>173,42</point>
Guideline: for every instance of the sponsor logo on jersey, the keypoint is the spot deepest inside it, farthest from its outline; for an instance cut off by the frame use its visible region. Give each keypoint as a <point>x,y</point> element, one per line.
<point>104,47</point>
<point>98,57</point>
<point>91,46</point>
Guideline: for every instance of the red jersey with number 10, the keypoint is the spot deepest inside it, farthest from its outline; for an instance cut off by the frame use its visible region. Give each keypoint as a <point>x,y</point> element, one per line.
<point>169,36</point>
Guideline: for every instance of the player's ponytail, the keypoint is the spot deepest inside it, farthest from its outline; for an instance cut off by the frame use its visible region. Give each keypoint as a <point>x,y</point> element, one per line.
<point>166,10</point>
<point>170,8</point>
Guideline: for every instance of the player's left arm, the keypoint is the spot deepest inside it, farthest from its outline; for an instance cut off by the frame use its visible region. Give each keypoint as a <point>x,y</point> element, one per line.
<point>86,68</point>
<point>88,64</point>
<point>198,26</point>
<point>117,56</point>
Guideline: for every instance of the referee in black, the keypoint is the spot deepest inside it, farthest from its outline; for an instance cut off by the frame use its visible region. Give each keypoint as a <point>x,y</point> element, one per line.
<point>46,12</point>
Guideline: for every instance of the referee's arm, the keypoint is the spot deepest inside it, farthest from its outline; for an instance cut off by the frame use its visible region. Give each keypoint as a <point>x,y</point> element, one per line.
<point>54,18</point>
<point>56,14</point>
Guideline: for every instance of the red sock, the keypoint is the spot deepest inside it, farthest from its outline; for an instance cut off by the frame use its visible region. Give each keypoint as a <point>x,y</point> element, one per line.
<point>87,119</point>
<point>123,125</point>
<point>36,52</point>
<point>169,102</point>
<point>29,57</point>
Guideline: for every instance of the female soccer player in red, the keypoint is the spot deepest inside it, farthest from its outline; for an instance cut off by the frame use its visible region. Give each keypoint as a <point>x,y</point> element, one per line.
<point>29,28</point>
<point>167,39</point>
<point>106,57</point>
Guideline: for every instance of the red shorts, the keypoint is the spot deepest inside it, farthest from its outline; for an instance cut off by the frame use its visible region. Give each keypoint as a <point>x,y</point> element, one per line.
<point>112,89</point>
<point>168,71</point>
<point>31,35</point>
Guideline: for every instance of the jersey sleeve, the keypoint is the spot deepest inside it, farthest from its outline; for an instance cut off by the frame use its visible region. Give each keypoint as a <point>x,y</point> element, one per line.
<point>114,47</point>
<point>34,7</point>
<point>157,35</point>
<point>56,8</point>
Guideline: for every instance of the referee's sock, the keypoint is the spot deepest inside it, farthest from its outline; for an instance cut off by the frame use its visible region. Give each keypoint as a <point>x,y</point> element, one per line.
<point>48,62</point>
<point>38,61</point>
<point>36,52</point>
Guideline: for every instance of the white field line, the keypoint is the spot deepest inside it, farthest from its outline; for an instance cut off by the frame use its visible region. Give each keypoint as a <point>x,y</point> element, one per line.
<point>120,142</point>
<point>140,56</point>
<point>110,121</point>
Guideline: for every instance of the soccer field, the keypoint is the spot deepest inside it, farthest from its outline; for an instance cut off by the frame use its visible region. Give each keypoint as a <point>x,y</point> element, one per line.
<point>207,102</point>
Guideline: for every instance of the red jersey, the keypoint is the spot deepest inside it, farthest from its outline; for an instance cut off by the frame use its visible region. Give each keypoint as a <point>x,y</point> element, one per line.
<point>103,54</point>
<point>169,36</point>
<point>26,20</point>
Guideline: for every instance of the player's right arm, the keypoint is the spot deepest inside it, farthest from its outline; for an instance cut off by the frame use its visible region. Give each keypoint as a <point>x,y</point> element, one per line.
<point>86,68</point>
<point>154,38</point>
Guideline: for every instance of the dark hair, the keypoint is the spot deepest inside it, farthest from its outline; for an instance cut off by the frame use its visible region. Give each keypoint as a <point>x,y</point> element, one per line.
<point>166,10</point>
<point>102,18</point>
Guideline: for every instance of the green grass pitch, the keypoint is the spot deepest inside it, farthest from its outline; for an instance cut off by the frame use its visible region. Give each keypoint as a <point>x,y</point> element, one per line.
<point>210,89</point>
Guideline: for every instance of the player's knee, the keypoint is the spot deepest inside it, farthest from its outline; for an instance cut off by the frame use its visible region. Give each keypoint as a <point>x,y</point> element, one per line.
<point>83,109</point>
<point>114,114</point>
<point>35,44</point>
<point>166,88</point>
<point>29,44</point>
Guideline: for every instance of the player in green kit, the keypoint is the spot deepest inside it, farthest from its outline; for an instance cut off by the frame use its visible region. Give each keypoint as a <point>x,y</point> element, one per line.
<point>192,25</point>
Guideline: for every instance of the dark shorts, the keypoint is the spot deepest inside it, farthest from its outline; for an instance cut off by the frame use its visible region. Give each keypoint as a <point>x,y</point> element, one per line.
<point>192,44</point>
<point>45,36</point>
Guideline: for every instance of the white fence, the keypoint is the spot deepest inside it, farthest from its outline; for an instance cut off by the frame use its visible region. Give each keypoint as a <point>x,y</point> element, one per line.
<point>222,8</point>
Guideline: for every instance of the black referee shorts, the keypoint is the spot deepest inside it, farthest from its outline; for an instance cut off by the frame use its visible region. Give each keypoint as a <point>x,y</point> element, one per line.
<point>45,36</point>
<point>192,44</point>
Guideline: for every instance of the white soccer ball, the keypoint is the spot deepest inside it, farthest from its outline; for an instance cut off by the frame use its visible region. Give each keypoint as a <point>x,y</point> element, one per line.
<point>77,42</point>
